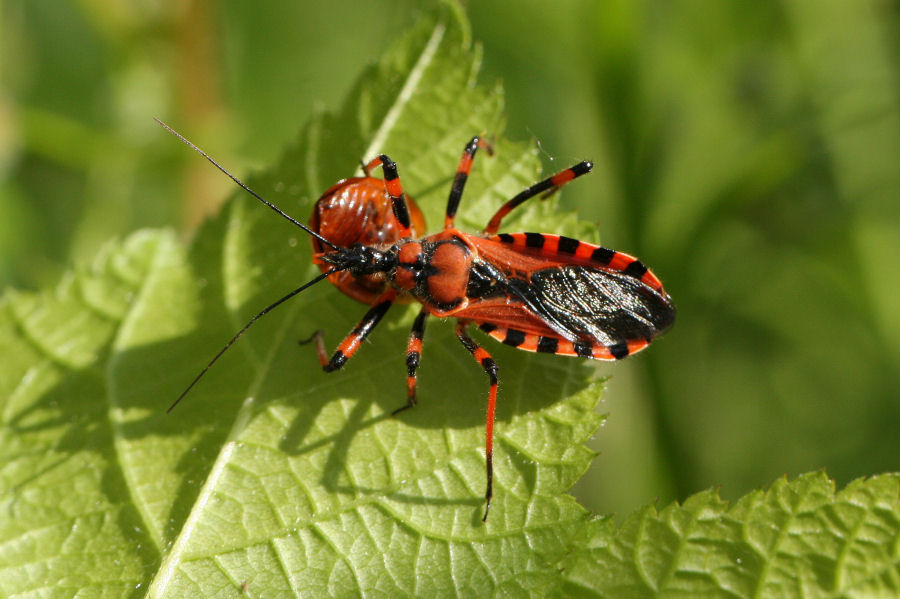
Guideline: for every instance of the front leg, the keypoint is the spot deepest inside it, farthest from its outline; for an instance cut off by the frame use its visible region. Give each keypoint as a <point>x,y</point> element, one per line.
<point>354,339</point>
<point>394,188</point>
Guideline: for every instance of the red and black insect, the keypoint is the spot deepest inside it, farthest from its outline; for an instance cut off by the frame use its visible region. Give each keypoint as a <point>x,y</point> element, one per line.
<point>534,291</point>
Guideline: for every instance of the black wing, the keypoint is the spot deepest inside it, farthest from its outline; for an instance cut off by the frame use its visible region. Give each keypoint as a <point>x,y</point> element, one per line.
<point>590,304</point>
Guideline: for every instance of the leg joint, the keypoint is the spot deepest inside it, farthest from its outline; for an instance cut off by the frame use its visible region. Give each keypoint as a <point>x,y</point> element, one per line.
<point>336,363</point>
<point>412,362</point>
<point>490,367</point>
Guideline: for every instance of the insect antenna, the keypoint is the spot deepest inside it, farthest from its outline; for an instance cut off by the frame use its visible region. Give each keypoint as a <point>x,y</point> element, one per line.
<point>247,326</point>
<point>275,304</point>
<point>244,186</point>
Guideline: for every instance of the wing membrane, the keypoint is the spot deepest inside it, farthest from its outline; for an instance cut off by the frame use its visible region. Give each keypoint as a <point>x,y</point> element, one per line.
<point>592,304</point>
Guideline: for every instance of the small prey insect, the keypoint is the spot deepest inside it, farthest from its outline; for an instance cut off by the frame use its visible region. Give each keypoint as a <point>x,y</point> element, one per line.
<point>538,292</point>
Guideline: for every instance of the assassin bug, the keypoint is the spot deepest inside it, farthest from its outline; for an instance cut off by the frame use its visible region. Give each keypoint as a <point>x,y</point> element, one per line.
<point>534,291</point>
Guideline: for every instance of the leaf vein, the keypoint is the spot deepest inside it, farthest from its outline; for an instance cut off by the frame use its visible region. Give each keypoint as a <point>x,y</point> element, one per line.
<point>406,92</point>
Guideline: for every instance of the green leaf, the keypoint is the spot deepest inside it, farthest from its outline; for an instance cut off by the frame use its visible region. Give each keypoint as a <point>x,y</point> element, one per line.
<point>273,478</point>
<point>272,474</point>
<point>797,539</point>
<point>68,522</point>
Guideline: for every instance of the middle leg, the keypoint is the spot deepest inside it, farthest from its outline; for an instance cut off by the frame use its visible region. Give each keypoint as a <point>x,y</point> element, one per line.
<point>413,355</point>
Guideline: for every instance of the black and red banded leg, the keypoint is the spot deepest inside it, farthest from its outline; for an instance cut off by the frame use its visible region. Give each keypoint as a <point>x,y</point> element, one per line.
<point>359,333</point>
<point>395,190</point>
<point>413,356</point>
<point>490,367</point>
<point>546,187</point>
<point>462,175</point>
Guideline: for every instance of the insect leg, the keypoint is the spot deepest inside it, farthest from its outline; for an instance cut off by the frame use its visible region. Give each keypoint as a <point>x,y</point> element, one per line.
<point>413,355</point>
<point>359,333</point>
<point>395,190</point>
<point>462,175</point>
<point>490,367</point>
<point>318,339</point>
<point>547,186</point>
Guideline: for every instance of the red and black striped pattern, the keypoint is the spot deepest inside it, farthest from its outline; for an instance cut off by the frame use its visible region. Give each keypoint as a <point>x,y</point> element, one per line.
<point>546,187</point>
<point>354,339</point>
<point>462,175</point>
<point>553,344</point>
<point>558,247</point>
<point>394,188</point>
<point>413,356</point>
<point>490,368</point>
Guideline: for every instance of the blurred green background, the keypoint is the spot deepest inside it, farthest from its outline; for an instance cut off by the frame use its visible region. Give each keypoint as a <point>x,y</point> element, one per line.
<point>747,151</point>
